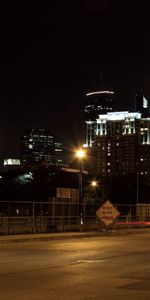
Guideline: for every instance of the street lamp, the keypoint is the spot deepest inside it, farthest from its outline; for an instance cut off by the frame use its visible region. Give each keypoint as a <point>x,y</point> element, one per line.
<point>94,185</point>
<point>137,187</point>
<point>137,183</point>
<point>80,154</point>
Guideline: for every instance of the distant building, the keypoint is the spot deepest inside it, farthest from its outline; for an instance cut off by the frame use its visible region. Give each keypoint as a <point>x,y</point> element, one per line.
<point>11,162</point>
<point>122,143</point>
<point>37,145</point>
<point>97,103</point>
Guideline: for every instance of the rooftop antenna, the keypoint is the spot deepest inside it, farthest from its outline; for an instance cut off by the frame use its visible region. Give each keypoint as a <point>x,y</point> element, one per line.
<point>140,93</point>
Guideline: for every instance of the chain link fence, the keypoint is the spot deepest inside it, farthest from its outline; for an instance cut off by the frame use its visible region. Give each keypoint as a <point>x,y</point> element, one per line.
<point>17,217</point>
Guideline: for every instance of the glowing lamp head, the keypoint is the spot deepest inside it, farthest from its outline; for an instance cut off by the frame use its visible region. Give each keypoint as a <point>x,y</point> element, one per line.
<point>94,183</point>
<point>80,153</point>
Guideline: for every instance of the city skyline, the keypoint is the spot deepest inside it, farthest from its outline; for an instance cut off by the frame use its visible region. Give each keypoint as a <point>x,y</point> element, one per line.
<point>54,54</point>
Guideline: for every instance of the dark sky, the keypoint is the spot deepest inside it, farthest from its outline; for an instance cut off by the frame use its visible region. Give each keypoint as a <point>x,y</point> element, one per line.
<point>52,54</point>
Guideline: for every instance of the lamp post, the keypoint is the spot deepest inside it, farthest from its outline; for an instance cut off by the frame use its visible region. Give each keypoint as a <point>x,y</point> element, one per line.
<point>137,188</point>
<point>94,185</point>
<point>80,154</point>
<point>137,183</point>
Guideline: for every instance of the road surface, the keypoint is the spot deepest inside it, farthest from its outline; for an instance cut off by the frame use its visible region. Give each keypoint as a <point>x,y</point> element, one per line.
<point>108,268</point>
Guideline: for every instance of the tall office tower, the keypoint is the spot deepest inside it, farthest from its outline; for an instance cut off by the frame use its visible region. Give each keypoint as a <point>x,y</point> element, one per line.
<point>97,103</point>
<point>142,105</point>
<point>122,144</point>
<point>37,145</point>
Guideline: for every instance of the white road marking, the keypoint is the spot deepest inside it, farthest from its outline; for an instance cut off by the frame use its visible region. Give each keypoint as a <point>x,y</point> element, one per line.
<point>89,261</point>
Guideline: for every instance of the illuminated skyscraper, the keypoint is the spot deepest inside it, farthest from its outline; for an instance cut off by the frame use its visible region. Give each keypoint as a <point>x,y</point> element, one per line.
<point>97,103</point>
<point>122,141</point>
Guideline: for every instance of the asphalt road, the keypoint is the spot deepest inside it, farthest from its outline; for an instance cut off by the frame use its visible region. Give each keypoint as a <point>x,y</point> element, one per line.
<point>108,268</point>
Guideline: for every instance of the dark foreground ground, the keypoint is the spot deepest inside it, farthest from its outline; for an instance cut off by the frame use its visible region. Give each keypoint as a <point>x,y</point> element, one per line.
<point>114,267</point>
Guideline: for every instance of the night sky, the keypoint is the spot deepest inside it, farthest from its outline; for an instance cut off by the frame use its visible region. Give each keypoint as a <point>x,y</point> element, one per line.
<point>52,54</point>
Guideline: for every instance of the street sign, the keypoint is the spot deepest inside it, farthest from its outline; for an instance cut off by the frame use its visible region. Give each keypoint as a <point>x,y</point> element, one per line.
<point>63,193</point>
<point>107,213</point>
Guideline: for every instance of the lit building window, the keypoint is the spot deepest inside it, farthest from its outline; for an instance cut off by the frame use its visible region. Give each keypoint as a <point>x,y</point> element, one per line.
<point>30,146</point>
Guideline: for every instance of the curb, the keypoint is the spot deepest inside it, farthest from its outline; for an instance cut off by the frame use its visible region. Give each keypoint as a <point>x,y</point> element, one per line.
<point>49,237</point>
<point>61,236</point>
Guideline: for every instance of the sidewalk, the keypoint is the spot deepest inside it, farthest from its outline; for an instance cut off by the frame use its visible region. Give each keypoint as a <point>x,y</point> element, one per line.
<point>69,235</point>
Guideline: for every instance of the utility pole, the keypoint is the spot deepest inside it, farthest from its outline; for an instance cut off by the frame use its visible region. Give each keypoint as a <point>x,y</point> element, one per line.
<point>80,154</point>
